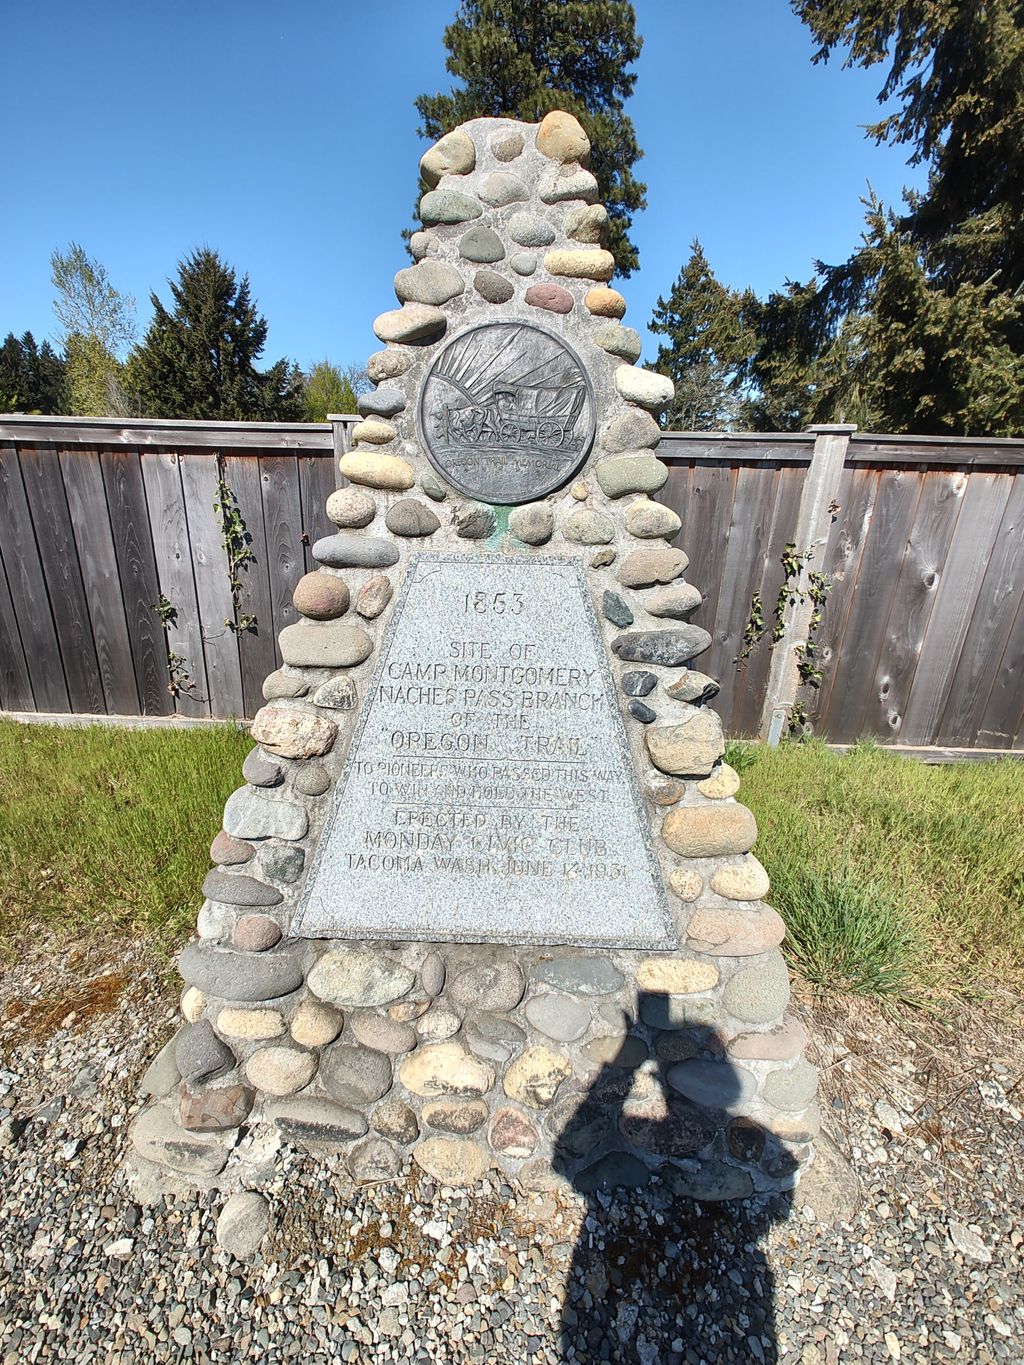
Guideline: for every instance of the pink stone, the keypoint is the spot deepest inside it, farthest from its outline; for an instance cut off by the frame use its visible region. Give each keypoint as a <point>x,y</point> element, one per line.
<point>214,1109</point>
<point>256,933</point>
<point>735,933</point>
<point>321,596</point>
<point>779,1044</point>
<point>512,1133</point>
<point>550,296</point>
<point>228,851</point>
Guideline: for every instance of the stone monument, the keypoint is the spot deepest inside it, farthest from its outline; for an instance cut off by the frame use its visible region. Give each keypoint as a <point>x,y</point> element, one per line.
<point>488,858</point>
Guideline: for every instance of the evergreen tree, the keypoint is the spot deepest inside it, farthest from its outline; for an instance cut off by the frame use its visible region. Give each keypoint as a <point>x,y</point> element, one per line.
<point>31,376</point>
<point>523,58</point>
<point>707,341</point>
<point>198,359</point>
<point>326,389</point>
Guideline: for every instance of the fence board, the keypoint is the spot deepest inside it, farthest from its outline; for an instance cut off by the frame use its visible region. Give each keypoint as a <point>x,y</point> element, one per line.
<point>257,646</point>
<point>317,481</point>
<point>282,520</point>
<point>27,584</point>
<point>1000,723</point>
<point>140,588</point>
<point>161,473</point>
<point>213,586</point>
<point>15,682</point>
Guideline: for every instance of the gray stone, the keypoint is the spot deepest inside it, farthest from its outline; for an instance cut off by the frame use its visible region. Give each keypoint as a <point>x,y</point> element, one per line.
<point>283,862</point>
<point>616,609</point>
<point>501,188</point>
<point>432,486</point>
<point>282,684</point>
<point>432,974</point>
<point>493,1038</point>
<point>260,770</point>
<point>355,1075</point>
<point>382,1034</point>
<point>667,1126</point>
<point>415,323</point>
<point>760,993</point>
<point>394,361</point>
<point>235,889</point>
<point>325,644</point>
<point>666,647</point>
<point>578,1124</point>
<point>618,340</point>
<point>644,387</point>
<point>481,244</point>
<point>565,183</point>
<point>447,206</point>
<point>791,1089</point>
<point>429,281</point>
<point>718,1085</point>
<point>561,1017</point>
<point>694,687</point>
<point>338,694</point>
<point>158,1138</point>
<point>231,975</point>
<point>636,473</point>
<point>712,1181</point>
<point>382,402</point>
<point>249,814</point>
<point>472,521</point>
<point>409,517</point>
<point>631,430</point>
<point>312,779</point>
<point>394,1119</point>
<point>615,1170</point>
<point>533,523</point>
<point>579,975</point>
<point>830,1185</point>
<point>527,229</point>
<point>162,1074</point>
<point>677,602</point>
<point>374,1160</point>
<point>200,1055</point>
<point>348,976</point>
<point>243,1223</point>
<point>638,683</point>
<point>344,550</point>
<point>641,712</point>
<point>589,527</point>
<point>309,1120</point>
<point>523,262</point>
<point>602,559</point>
<point>673,1012</point>
<point>587,223</point>
<point>492,286</point>
<point>507,146</point>
<point>281,1068</point>
<point>498,986</point>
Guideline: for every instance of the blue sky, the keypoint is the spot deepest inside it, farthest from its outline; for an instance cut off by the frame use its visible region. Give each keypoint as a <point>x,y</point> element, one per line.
<point>284,135</point>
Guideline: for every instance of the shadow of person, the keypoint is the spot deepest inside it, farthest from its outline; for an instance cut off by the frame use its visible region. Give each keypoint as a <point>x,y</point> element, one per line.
<point>668,1267</point>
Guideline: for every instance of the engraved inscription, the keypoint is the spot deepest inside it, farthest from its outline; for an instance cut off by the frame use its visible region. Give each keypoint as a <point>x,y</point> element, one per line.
<point>489,794</point>
<point>507,412</point>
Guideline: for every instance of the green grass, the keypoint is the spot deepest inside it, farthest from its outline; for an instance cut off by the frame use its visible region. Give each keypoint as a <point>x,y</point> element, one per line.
<point>106,829</point>
<point>894,878</point>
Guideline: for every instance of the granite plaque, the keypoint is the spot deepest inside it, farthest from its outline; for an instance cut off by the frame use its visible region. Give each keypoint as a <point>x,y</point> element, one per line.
<point>489,793</point>
<point>507,412</point>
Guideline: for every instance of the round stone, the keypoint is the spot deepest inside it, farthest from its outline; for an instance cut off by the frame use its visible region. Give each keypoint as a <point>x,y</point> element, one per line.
<point>610,1050</point>
<point>492,286</point>
<point>640,711</point>
<point>321,595</point>
<point>644,387</point>
<point>665,647</point>
<point>677,602</point>
<point>758,994</point>
<point>415,323</point>
<point>566,183</point>
<point>438,1024</point>
<point>192,1004</point>
<point>243,1223</point>
<point>587,223</point>
<point>291,733</point>
<point>631,430</point>
<point>778,1044</point>
<point>551,297</point>
<point>407,1011</point>
<point>676,975</point>
<point>512,1134</point>
<point>481,245</point>
<point>432,974</point>
<point>709,831</point>
<point>374,1161</point>
<point>308,1120</point>
<point>230,852</point>
<point>377,471</point>
<point>409,517</point>
<point>432,486</point>
<point>316,1024</point>
<point>580,490</point>
<point>637,682</point>
<point>745,1139</point>
<point>394,1119</point>
<point>717,1085</point>
<point>743,881</point>
<point>337,694</point>
<point>791,1089</point>
<point>452,154</point>
<point>605,303</point>
<point>312,779</point>
<point>723,782</point>
<point>230,975</point>
<point>382,1034</point>
<point>324,644</point>
<point>579,975</point>
<point>473,522</point>
<point>374,596</point>
<point>587,526</point>
<point>347,550</point>
<point>238,889</point>
<point>501,188</point>
<point>373,431</point>
<point>492,1037</point>
<point>455,1116</point>
<point>428,281</point>
<point>736,933</point>
<point>533,523</point>
<point>650,520</point>
<point>562,1017</point>
<point>281,1070</point>
<point>664,791</point>
<point>355,1075</point>
<point>261,771</point>
<point>348,976</point>
<point>445,1069</point>
<point>592,264</point>
<point>534,1077</point>
<point>523,262</point>
<point>391,363</point>
<point>252,1025</point>
<point>803,1127</point>
<point>679,1011</point>
<point>689,749</point>
<point>444,206</point>
<point>527,229</point>
<point>624,474</point>
<point>256,933</point>
<point>382,402</point>
<point>453,1161</point>
<point>507,146</point>
<point>561,137</point>
<point>686,883</point>
<point>617,340</point>
<point>351,507</point>
<point>498,986</point>
<point>676,1047</point>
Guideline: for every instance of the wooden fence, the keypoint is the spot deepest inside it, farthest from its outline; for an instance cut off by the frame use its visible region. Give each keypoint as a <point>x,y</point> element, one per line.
<point>920,642</point>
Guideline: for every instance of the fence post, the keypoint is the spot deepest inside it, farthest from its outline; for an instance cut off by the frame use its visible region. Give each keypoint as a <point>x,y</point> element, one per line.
<point>341,426</point>
<point>819,492</point>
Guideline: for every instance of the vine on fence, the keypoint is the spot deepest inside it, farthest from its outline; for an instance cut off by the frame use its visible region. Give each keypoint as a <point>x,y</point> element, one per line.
<point>237,542</point>
<point>179,677</point>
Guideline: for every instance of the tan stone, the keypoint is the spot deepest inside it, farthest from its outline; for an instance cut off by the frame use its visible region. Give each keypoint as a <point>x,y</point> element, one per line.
<point>803,1127</point>
<point>686,883</point>
<point>778,1044</point>
<point>292,734</point>
<point>377,471</point>
<point>676,975</point>
<point>605,303</point>
<point>690,748</point>
<point>374,431</point>
<point>649,520</point>
<point>723,782</point>
<point>709,831</point>
<point>389,364</point>
<point>587,223</point>
<point>193,1002</point>
<point>455,1116</point>
<point>745,881</point>
<point>580,490</point>
<point>534,1077</point>
<point>453,1161</point>
<point>562,137</point>
<point>445,1069</point>
<point>316,1024</point>
<point>643,568</point>
<point>322,596</point>
<point>280,1070</point>
<point>254,1025</point>
<point>737,933</point>
<point>453,154</point>
<point>351,507</point>
<point>374,596</point>
<point>595,264</point>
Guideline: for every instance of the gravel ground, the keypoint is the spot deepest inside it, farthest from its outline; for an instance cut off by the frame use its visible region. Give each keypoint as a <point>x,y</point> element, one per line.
<point>928,1269</point>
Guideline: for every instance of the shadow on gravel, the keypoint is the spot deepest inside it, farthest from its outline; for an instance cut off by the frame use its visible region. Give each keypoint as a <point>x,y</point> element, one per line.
<point>658,1278</point>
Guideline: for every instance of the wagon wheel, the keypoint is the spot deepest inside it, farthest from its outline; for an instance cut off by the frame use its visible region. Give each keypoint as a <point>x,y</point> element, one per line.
<point>550,432</point>
<point>510,431</point>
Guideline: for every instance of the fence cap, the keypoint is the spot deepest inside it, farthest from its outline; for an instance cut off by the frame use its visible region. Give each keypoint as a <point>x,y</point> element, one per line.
<point>833,428</point>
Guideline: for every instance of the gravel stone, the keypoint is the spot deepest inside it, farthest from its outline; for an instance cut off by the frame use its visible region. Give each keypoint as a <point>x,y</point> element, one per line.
<point>243,1223</point>
<point>615,609</point>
